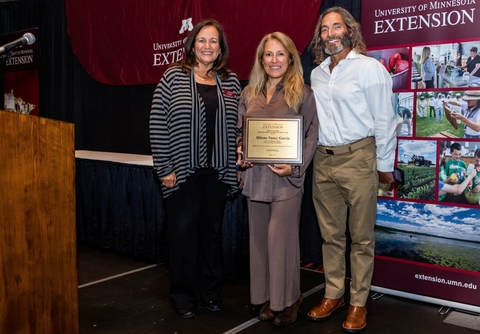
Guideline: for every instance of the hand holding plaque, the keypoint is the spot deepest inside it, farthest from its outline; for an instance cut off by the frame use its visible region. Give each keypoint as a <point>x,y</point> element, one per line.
<point>273,139</point>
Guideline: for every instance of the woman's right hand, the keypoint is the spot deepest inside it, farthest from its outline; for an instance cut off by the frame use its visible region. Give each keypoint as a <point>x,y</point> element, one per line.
<point>240,162</point>
<point>169,180</point>
<point>239,179</point>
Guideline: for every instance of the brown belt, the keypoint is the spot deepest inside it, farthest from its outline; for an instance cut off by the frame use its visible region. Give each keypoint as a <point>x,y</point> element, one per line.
<point>348,148</point>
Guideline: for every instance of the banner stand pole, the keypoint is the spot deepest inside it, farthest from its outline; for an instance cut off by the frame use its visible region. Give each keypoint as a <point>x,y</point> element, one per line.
<point>446,303</point>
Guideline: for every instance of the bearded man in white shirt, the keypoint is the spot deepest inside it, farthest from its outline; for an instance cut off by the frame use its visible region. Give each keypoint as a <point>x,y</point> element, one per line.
<point>356,151</point>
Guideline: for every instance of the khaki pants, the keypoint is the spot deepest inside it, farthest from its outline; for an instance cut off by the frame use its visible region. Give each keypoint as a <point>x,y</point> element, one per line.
<point>347,184</point>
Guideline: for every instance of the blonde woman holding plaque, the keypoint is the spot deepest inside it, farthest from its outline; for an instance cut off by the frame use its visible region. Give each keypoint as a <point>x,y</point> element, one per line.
<point>274,191</point>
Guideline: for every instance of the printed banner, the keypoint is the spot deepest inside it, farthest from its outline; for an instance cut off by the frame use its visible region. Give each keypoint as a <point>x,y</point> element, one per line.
<point>402,23</point>
<point>428,226</point>
<point>20,73</point>
<point>121,42</point>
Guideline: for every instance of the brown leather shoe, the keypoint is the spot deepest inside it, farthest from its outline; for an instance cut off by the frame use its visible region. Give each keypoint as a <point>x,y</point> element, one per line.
<point>325,309</point>
<point>289,315</point>
<point>356,320</point>
<point>265,313</point>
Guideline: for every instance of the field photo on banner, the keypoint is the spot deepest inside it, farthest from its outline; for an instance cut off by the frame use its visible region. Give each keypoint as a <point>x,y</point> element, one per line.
<point>448,238</point>
<point>432,118</point>
<point>427,249</point>
<point>416,158</point>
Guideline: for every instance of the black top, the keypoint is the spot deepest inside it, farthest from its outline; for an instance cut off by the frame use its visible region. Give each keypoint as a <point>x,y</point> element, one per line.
<point>471,63</point>
<point>209,96</point>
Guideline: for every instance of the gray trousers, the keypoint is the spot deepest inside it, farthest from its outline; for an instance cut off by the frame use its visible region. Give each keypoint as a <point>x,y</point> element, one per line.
<point>275,252</point>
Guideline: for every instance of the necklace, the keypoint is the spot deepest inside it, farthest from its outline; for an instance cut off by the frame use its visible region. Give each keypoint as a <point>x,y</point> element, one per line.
<point>201,78</point>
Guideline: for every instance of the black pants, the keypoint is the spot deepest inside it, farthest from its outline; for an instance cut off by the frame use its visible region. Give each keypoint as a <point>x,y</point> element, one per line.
<point>429,83</point>
<point>194,221</point>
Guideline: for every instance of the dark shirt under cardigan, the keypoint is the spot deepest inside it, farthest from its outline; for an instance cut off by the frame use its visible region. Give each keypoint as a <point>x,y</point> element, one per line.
<point>172,122</point>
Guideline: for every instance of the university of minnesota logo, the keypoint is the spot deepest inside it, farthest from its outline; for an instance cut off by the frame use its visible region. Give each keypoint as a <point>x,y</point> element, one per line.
<point>186,25</point>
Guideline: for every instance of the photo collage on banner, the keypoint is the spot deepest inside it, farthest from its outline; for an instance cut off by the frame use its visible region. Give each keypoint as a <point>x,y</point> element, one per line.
<point>428,226</point>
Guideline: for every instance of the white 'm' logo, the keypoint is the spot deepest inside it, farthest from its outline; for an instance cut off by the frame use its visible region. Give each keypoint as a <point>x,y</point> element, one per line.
<point>186,25</point>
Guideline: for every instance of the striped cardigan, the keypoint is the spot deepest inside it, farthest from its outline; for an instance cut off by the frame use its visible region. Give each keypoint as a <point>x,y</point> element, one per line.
<point>177,128</point>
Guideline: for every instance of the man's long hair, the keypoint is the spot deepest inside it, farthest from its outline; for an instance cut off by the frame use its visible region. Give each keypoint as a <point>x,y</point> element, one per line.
<point>354,33</point>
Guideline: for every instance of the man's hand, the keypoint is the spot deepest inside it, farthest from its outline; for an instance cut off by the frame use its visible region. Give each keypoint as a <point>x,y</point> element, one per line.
<point>385,177</point>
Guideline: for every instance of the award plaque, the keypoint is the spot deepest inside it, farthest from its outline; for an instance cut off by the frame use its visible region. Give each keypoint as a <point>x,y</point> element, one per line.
<point>273,139</point>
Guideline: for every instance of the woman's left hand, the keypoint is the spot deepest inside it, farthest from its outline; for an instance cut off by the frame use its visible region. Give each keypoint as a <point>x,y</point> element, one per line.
<point>281,169</point>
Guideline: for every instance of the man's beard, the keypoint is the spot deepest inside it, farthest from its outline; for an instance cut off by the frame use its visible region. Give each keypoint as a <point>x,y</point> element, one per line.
<point>344,43</point>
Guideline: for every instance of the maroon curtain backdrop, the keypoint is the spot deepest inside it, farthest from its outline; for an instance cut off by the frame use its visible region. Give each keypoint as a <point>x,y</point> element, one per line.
<point>121,42</point>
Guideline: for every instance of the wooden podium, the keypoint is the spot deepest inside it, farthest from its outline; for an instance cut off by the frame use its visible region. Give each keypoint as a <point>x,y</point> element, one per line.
<point>38,275</point>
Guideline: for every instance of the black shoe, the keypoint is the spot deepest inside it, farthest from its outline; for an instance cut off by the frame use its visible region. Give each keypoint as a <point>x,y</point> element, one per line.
<point>214,305</point>
<point>185,313</point>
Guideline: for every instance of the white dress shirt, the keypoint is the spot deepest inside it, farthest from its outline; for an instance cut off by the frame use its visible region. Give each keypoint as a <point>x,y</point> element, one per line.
<point>355,101</point>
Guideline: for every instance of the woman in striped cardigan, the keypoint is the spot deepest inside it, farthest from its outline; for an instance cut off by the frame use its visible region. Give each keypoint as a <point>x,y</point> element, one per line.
<point>192,135</point>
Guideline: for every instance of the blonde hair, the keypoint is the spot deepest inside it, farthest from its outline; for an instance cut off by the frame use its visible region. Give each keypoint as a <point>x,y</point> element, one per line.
<point>425,54</point>
<point>293,77</point>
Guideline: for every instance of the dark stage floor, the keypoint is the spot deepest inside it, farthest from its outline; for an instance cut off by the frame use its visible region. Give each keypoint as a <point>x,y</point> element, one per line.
<point>124,296</point>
